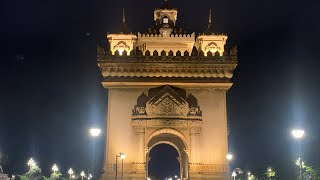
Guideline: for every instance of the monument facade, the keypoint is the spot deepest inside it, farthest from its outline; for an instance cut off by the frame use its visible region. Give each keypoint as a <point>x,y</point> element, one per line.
<point>167,87</point>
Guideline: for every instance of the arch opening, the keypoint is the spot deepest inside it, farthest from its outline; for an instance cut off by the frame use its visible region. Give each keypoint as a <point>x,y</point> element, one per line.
<point>163,162</point>
<point>173,139</point>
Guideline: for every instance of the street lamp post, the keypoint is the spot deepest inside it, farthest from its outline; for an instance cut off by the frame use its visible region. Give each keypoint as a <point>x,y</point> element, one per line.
<point>95,133</point>
<point>55,168</point>
<point>229,158</point>
<point>298,134</point>
<point>70,172</point>
<point>234,174</point>
<point>82,174</point>
<point>122,156</point>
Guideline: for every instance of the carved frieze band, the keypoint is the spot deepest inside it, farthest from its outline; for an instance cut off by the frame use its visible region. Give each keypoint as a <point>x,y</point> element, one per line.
<point>168,59</point>
<point>208,168</point>
<point>115,70</point>
<point>128,167</point>
<point>166,123</point>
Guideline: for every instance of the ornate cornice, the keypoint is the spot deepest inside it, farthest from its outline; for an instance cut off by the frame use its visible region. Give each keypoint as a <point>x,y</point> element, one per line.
<point>167,67</point>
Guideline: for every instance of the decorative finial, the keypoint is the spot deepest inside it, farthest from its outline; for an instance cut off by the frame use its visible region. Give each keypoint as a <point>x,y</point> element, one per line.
<point>210,16</point>
<point>123,16</point>
<point>209,30</point>
<point>123,23</point>
<point>165,4</point>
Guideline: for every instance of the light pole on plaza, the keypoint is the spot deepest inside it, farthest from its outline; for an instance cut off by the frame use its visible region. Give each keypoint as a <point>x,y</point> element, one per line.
<point>229,158</point>
<point>70,172</point>
<point>234,174</point>
<point>299,134</point>
<point>55,169</point>
<point>82,174</point>
<point>122,156</point>
<point>94,132</point>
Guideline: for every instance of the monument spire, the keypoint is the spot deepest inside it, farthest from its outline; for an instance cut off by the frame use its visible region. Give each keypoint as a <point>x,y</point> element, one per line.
<point>210,16</point>
<point>210,24</point>
<point>165,4</point>
<point>123,23</point>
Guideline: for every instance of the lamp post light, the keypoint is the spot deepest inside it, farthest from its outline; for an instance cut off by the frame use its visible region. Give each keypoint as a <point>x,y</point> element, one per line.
<point>31,163</point>
<point>94,132</point>
<point>122,156</point>
<point>229,158</point>
<point>299,134</point>
<point>234,174</point>
<point>82,174</point>
<point>70,172</point>
<point>55,168</point>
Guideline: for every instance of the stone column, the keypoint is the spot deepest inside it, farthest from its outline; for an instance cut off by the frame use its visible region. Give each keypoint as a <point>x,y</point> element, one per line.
<point>194,138</point>
<point>141,145</point>
<point>139,165</point>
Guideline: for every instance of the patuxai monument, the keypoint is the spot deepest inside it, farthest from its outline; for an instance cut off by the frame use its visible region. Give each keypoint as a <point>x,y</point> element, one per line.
<point>166,86</point>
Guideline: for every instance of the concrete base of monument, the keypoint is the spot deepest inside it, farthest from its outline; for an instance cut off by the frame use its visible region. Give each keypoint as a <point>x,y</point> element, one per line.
<point>208,176</point>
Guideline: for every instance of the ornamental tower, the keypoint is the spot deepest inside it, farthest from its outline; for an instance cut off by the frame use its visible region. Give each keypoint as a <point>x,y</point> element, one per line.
<point>166,86</point>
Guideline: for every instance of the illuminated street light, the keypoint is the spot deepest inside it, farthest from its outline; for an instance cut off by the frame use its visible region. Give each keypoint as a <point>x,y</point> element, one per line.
<point>55,168</point>
<point>122,156</point>
<point>234,174</point>
<point>70,172</point>
<point>95,132</point>
<point>229,156</point>
<point>82,174</point>
<point>297,133</point>
<point>31,163</point>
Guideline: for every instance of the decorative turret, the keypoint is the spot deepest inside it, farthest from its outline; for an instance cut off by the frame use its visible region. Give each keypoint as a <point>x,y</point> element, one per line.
<point>122,43</point>
<point>210,43</point>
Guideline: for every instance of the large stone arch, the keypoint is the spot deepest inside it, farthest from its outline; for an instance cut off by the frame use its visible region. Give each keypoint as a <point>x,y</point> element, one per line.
<point>168,131</point>
<point>173,138</point>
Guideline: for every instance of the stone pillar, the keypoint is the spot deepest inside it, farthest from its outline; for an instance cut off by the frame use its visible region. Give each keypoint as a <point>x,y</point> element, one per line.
<point>194,151</point>
<point>141,145</point>
<point>140,165</point>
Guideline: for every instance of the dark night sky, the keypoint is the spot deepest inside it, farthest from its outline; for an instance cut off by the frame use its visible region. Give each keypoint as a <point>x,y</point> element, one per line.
<point>51,91</point>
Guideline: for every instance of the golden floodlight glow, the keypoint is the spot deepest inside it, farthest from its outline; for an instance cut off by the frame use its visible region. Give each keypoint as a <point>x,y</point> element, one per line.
<point>95,132</point>
<point>297,133</point>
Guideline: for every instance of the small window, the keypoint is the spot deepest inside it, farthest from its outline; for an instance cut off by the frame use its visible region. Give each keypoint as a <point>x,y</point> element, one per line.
<point>166,20</point>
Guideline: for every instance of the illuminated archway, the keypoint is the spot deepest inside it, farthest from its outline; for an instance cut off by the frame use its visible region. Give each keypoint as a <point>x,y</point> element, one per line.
<point>175,139</point>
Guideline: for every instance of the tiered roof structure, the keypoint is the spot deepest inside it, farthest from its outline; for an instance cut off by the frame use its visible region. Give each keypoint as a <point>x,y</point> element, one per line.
<point>165,53</point>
